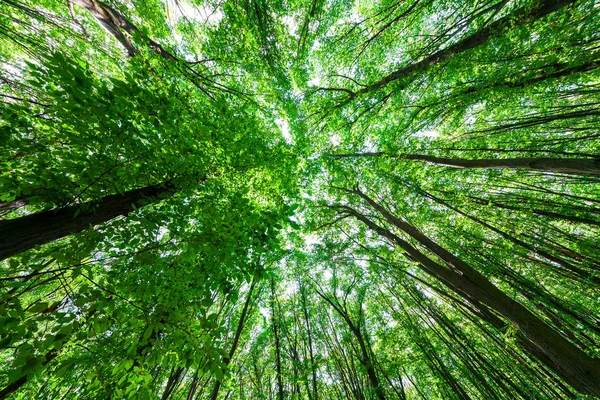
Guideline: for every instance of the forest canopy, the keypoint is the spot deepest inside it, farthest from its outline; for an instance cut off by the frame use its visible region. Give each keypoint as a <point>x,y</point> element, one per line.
<point>299,199</point>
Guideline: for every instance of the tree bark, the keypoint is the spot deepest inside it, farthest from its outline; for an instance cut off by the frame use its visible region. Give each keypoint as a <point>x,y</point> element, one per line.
<point>519,17</point>
<point>236,338</point>
<point>310,343</point>
<point>172,382</point>
<point>577,166</point>
<point>115,23</point>
<point>13,205</point>
<point>277,344</point>
<point>21,234</point>
<point>569,362</point>
<point>366,359</point>
<point>545,213</point>
<point>576,271</point>
<point>16,385</point>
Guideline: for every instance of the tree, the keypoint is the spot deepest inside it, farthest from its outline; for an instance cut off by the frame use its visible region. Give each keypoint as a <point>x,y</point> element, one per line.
<point>384,199</point>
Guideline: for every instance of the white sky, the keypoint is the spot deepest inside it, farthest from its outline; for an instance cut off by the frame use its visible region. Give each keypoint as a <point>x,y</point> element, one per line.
<point>202,14</point>
<point>285,129</point>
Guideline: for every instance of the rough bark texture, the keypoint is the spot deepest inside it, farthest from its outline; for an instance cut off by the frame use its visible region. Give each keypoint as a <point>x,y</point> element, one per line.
<point>569,362</point>
<point>21,234</point>
<point>12,205</point>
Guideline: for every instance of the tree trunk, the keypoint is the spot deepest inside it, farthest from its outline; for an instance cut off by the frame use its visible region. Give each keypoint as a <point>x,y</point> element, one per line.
<point>519,17</point>
<point>13,205</point>
<point>365,357</point>
<point>21,234</point>
<point>310,343</point>
<point>277,344</point>
<point>14,386</point>
<point>193,386</point>
<point>115,23</point>
<point>236,338</point>
<point>576,271</point>
<point>566,360</point>
<point>545,213</point>
<point>577,166</point>
<point>588,166</point>
<point>172,382</point>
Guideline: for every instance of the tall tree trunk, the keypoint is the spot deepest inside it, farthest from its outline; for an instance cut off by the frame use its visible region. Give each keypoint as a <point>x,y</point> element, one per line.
<point>236,338</point>
<point>115,23</point>
<point>566,360</point>
<point>519,17</point>
<point>576,271</point>
<point>527,208</point>
<point>172,382</point>
<point>310,343</point>
<point>277,343</point>
<point>21,234</point>
<point>577,166</point>
<point>193,386</point>
<point>120,27</point>
<point>365,356</point>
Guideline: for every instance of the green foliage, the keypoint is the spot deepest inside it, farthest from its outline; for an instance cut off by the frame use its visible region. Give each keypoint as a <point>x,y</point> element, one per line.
<point>263,129</point>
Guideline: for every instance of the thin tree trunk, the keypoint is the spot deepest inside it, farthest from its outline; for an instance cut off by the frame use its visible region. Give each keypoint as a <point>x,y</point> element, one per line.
<point>310,343</point>
<point>117,25</point>
<point>577,166</point>
<point>193,386</point>
<point>519,17</point>
<point>172,382</point>
<point>366,359</point>
<point>578,272</point>
<point>561,356</point>
<point>277,344</point>
<point>545,213</point>
<point>21,234</point>
<point>16,385</point>
<point>236,339</point>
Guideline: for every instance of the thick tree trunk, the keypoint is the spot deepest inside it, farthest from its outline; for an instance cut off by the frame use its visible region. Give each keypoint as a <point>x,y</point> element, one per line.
<point>115,23</point>
<point>566,360</point>
<point>21,234</point>
<point>519,17</point>
<point>578,166</point>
